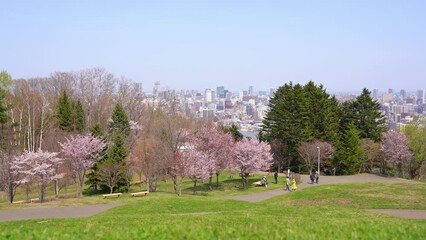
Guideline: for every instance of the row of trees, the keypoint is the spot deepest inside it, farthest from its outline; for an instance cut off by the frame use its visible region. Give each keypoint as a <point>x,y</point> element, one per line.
<point>304,121</point>
<point>38,116</point>
<point>52,137</point>
<point>209,151</point>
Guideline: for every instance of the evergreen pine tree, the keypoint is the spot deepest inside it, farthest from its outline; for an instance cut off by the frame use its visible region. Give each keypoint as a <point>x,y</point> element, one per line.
<point>233,130</point>
<point>64,113</point>
<point>287,118</point>
<point>120,122</point>
<point>349,156</point>
<point>80,117</point>
<point>5,81</point>
<point>97,131</point>
<point>117,151</point>
<point>322,115</point>
<point>301,114</point>
<point>370,121</point>
<point>93,178</point>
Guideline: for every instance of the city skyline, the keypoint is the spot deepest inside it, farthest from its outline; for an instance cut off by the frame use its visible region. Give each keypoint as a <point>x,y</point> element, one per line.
<point>345,46</point>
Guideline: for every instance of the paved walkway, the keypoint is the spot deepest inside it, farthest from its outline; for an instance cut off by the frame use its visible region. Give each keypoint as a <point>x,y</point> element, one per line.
<point>404,213</point>
<point>257,197</point>
<point>89,210</point>
<point>414,214</point>
<point>55,212</point>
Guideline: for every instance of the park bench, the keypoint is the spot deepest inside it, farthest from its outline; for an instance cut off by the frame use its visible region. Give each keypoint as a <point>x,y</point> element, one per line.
<point>33,200</point>
<point>112,195</point>
<point>139,193</point>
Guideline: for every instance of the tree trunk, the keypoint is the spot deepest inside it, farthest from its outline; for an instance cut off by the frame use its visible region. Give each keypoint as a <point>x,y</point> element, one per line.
<point>152,178</point>
<point>217,179</point>
<point>27,192</point>
<point>210,183</point>
<point>175,183</point>
<point>42,187</point>
<point>244,180</point>
<point>195,186</point>
<point>180,186</point>
<point>111,188</point>
<point>57,189</point>
<point>10,194</point>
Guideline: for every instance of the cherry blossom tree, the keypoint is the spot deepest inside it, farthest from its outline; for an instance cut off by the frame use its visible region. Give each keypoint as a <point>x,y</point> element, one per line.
<point>395,150</point>
<point>196,165</point>
<point>38,166</point>
<point>82,151</point>
<point>216,146</point>
<point>251,155</point>
<point>308,151</point>
<point>9,178</point>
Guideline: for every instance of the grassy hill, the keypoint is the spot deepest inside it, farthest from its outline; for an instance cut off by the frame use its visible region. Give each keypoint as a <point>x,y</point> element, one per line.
<point>336,211</point>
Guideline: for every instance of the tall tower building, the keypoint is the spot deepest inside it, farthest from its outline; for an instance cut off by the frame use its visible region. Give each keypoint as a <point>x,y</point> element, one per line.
<point>251,91</point>
<point>421,96</point>
<point>220,91</point>
<point>403,94</point>
<point>376,93</point>
<point>208,95</point>
<point>157,89</point>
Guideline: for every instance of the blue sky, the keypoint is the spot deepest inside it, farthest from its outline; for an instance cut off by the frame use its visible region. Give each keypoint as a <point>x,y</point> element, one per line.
<point>344,45</point>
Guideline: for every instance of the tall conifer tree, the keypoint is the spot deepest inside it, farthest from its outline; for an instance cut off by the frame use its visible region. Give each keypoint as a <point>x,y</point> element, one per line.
<point>80,117</point>
<point>64,113</point>
<point>369,120</point>
<point>349,155</point>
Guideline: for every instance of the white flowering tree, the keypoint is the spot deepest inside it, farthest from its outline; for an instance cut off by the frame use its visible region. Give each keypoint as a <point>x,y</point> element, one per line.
<point>82,152</point>
<point>396,151</point>
<point>41,167</point>
<point>251,155</point>
<point>216,146</point>
<point>196,165</point>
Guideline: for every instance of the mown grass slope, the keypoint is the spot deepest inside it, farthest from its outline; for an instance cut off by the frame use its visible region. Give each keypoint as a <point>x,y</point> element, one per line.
<point>323,212</point>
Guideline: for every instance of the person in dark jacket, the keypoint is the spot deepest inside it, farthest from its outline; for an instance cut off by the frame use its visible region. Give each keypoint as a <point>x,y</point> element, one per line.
<point>276,177</point>
<point>312,177</point>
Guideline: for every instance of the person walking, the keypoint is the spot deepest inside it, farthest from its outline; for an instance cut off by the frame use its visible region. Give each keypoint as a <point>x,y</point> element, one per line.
<point>316,177</point>
<point>287,184</point>
<point>276,177</point>
<point>293,185</point>
<point>312,177</point>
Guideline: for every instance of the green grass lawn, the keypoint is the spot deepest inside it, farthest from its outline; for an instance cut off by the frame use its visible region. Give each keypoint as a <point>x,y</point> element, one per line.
<point>322,212</point>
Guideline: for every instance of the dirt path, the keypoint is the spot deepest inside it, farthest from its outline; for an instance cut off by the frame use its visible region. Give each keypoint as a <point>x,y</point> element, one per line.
<point>55,212</point>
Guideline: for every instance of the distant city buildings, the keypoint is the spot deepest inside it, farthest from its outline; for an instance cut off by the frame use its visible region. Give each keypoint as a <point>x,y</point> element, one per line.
<point>246,109</point>
<point>403,108</point>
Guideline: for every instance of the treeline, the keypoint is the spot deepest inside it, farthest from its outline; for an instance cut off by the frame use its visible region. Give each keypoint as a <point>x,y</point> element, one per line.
<point>305,123</point>
<point>94,131</point>
<point>38,115</point>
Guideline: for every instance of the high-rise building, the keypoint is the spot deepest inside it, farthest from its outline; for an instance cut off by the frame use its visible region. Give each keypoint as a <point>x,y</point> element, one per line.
<point>208,95</point>
<point>157,89</point>
<point>251,91</point>
<point>403,94</point>
<point>421,96</point>
<point>220,91</point>
<point>208,114</point>
<point>376,93</point>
